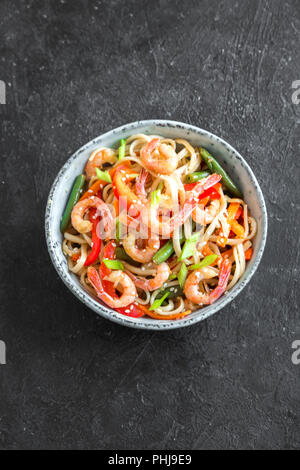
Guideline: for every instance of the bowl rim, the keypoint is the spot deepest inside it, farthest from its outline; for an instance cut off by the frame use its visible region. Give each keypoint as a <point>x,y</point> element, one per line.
<point>152,324</point>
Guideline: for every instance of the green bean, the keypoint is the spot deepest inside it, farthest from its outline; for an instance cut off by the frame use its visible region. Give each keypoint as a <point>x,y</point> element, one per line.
<point>73,199</point>
<point>215,167</point>
<point>165,252</point>
<point>194,177</point>
<point>122,255</point>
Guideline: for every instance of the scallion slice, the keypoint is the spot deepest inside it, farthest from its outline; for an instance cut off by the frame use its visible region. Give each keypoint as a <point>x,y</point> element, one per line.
<point>158,302</point>
<point>189,246</point>
<point>114,264</point>
<point>207,261</point>
<point>182,275</point>
<point>103,175</point>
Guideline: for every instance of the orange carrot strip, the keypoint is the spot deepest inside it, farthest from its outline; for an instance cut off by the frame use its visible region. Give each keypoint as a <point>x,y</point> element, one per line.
<point>93,189</point>
<point>222,240</point>
<point>237,229</point>
<point>227,253</point>
<point>116,207</point>
<point>164,317</point>
<point>232,211</point>
<point>248,254</point>
<point>76,256</point>
<point>239,213</point>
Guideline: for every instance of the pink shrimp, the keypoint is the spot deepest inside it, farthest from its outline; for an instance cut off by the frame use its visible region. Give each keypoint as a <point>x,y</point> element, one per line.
<point>85,226</point>
<point>162,275</point>
<point>206,215</point>
<point>129,292</point>
<point>97,159</point>
<point>191,287</point>
<point>142,255</point>
<point>165,228</point>
<point>159,158</point>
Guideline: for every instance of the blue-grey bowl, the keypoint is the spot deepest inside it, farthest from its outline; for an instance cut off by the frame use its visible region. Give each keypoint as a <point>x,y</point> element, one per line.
<point>232,161</point>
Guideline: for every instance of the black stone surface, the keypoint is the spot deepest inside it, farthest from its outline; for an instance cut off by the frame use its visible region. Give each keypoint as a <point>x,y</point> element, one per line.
<point>73,70</point>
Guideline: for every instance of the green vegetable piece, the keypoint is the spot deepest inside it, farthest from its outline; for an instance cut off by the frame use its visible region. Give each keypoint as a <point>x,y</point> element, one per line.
<point>122,149</point>
<point>165,252</point>
<point>157,302</point>
<point>122,255</point>
<point>182,275</point>
<point>176,291</point>
<point>215,167</point>
<point>73,199</point>
<point>195,177</point>
<point>189,246</point>
<point>155,197</point>
<point>103,175</point>
<point>207,261</point>
<point>114,264</point>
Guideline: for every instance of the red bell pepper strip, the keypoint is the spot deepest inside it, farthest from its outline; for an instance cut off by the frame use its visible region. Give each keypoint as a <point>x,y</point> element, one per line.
<point>133,310</point>
<point>96,241</point>
<point>109,253</point>
<point>211,192</point>
<point>248,254</point>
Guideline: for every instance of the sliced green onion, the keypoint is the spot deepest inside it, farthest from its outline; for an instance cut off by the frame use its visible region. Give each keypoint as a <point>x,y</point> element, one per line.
<point>189,246</point>
<point>155,197</point>
<point>122,149</point>
<point>172,277</point>
<point>175,292</point>
<point>207,261</point>
<point>157,302</point>
<point>182,275</point>
<point>114,264</point>
<point>118,230</point>
<point>103,175</point>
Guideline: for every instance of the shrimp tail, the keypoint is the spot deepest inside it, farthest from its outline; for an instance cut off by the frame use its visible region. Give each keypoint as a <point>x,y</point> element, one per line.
<point>140,184</point>
<point>225,271</point>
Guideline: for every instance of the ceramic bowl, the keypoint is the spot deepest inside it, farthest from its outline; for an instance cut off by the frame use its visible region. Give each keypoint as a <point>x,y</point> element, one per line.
<point>231,160</point>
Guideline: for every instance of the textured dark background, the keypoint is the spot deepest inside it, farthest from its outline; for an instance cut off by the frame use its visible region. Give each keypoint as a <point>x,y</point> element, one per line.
<point>75,69</point>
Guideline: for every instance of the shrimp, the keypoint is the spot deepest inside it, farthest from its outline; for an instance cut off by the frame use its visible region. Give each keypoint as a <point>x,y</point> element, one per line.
<point>206,216</point>
<point>162,275</point>
<point>142,255</point>
<point>85,226</point>
<point>150,216</point>
<point>159,158</point>
<point>97,159</point>
<point>129,292</point>
<point>191,287</point>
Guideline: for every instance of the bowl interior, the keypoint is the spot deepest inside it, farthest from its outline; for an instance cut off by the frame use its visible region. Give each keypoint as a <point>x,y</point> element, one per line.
<point>226,155</point>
